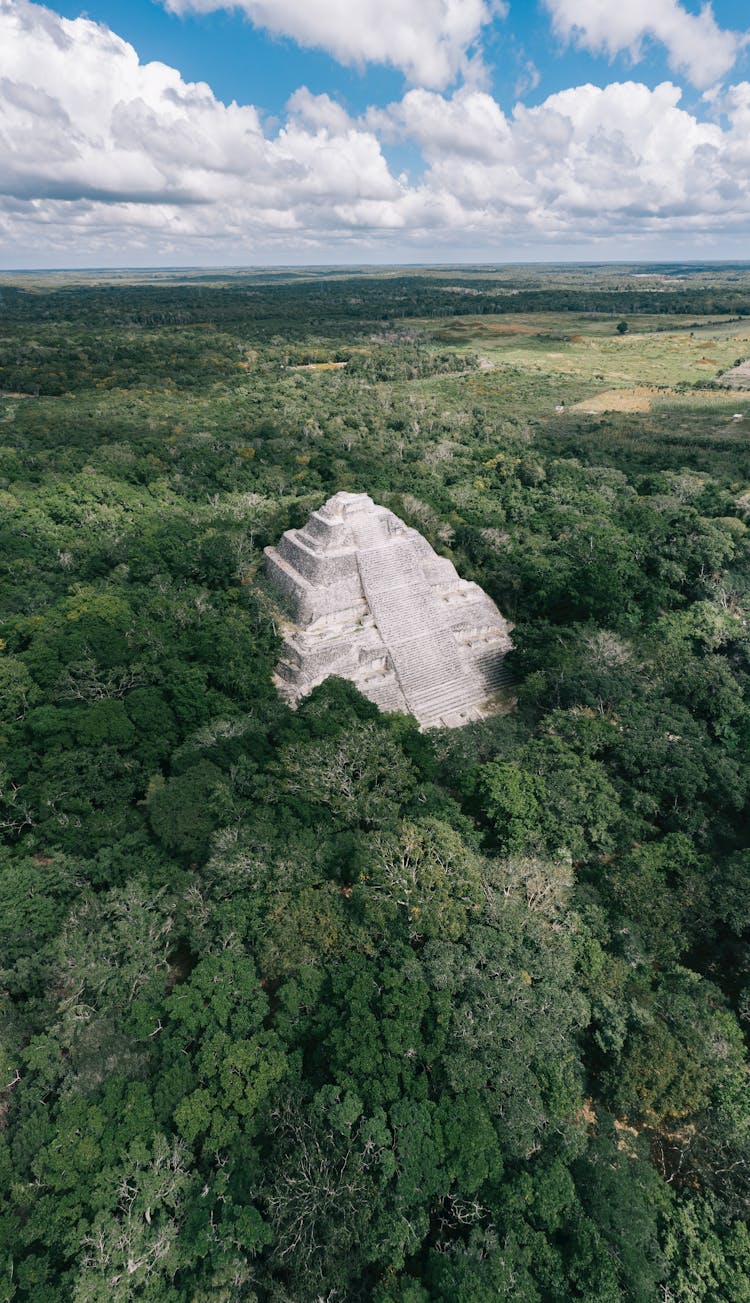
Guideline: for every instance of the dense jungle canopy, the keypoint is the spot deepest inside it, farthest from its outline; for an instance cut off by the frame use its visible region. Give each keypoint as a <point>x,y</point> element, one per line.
<point>311,1005</point>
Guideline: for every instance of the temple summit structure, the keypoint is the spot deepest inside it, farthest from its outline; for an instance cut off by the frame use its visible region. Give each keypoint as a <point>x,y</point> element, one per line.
<point>371,601</point>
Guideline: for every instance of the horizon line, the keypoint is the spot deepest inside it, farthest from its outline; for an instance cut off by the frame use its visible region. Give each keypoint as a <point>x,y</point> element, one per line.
<point>494,264</point>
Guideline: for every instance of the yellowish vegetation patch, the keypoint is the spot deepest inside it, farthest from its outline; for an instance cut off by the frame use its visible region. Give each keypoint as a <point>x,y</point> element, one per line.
<point>507,328</point>
<point>704,398</point>
<point>457,328</point>
<point>318,366</point>
<point>637,399</point>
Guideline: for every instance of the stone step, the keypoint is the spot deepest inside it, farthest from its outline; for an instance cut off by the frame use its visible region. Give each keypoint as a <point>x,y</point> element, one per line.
<point>471,686</point>
<point>392,560</point>
<point>499,676</point>
<point>372,534</point>
<point>381,686</point>
<point>494,669</point>
<point>430,717</point>
<point>387,698</point>
<point>403,609</point>
<point>450,710</point>
<point>405,603</point>
<point>288,672</point>
<point>430,650</point>
<point>491,673</point>
<point>461,691</point>
<point>422,676</point>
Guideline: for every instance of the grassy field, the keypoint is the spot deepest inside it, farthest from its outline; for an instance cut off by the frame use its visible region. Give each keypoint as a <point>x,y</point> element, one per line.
<point>583,363</point>
<point>150,365</point>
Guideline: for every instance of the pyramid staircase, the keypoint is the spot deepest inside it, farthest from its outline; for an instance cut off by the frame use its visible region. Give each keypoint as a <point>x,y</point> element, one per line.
<point>375,604</point>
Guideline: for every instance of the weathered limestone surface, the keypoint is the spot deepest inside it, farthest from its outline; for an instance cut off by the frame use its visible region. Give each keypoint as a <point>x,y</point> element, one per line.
<point>371,601</point>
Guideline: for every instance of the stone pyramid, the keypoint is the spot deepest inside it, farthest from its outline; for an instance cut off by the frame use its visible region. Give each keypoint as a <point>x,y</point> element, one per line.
<point>371,601</point>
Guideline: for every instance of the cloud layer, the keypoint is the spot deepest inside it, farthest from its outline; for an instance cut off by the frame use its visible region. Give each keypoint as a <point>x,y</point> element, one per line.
<point>429,40</point>
<point>103,153</point>
<point>695,43</point>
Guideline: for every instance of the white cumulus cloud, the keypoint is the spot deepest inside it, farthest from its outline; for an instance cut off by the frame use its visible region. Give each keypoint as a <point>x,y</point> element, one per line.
<point>108,159</point>
<point>695,43</point>
<point>589,162</point>
<point>83,123</point>
<point>429,40</point>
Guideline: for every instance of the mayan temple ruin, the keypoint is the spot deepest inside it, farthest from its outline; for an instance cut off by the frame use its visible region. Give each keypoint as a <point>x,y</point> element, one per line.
<point>371,601</point>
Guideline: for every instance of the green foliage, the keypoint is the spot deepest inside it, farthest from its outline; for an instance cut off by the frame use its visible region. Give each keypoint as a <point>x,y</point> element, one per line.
<point>708,1261</point>
<point>181,809</point>
<point>425,870</point>
<point>300,1005</point>
<point>512,800</point>
<point>358,776</point>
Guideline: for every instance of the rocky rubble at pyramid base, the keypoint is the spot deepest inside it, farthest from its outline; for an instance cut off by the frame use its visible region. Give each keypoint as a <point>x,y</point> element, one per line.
<point>372,602</point>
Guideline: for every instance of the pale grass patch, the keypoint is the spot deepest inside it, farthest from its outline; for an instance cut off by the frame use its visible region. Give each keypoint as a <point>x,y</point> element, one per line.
<point>637,399</point>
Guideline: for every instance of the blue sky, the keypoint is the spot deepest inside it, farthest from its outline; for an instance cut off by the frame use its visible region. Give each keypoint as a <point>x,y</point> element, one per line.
<point>381,130</point>
<point>245,63</point>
